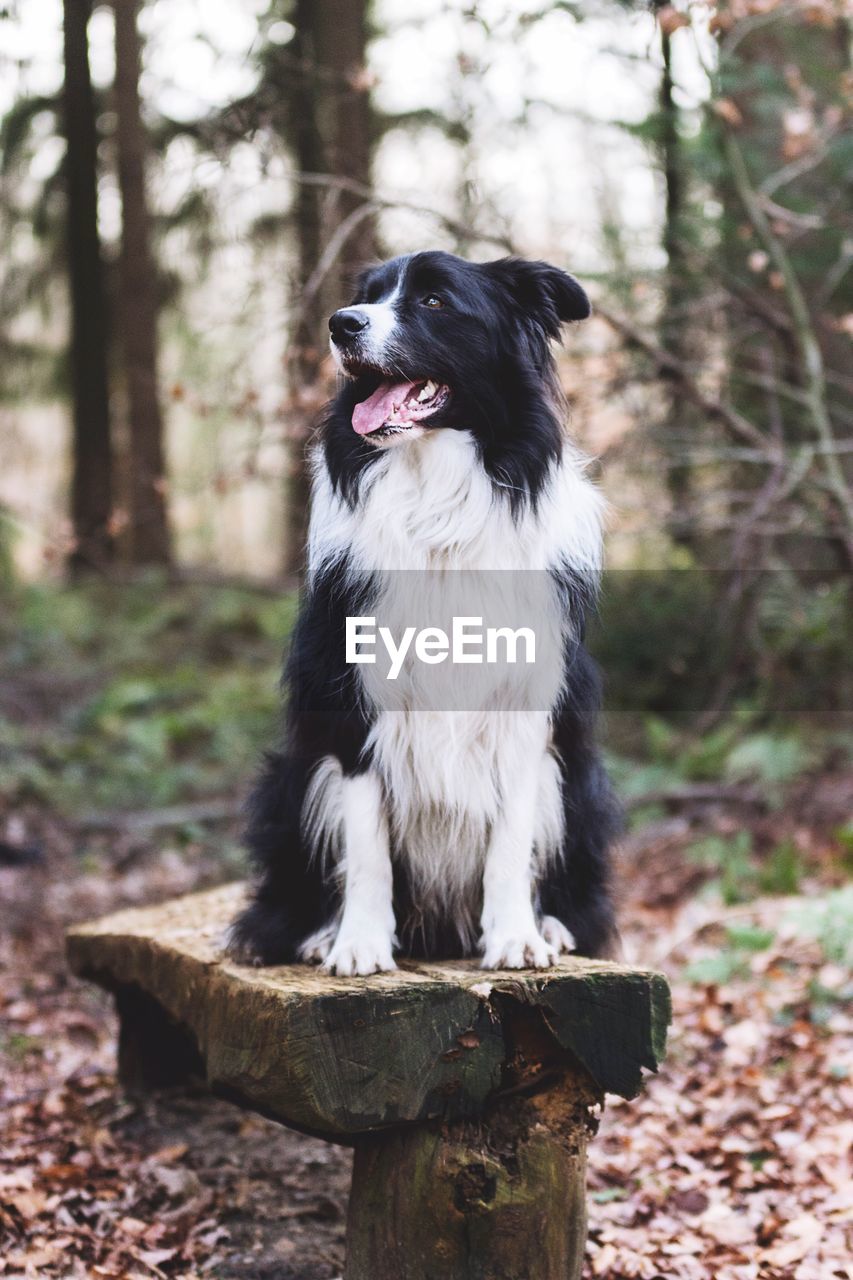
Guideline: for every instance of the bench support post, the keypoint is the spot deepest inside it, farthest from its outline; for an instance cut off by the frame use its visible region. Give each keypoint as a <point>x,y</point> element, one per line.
<point>154,1051</point>
<point>499,1198</point>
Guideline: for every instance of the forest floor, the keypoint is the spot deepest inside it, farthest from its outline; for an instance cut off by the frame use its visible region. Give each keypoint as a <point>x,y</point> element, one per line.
<point>120,783</point>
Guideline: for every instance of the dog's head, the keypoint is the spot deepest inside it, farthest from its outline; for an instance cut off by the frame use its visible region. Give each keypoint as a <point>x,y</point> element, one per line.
<point>430,341</point>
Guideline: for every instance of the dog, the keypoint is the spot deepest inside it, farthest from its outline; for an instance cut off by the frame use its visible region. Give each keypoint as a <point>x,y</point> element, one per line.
<point>387,828</point>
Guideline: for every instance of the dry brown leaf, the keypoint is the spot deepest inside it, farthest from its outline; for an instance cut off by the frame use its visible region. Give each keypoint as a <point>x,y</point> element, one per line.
<point>153,1257</point>
<point>728,111</point>
<point>801,1236</point>
<point>29,1204</point>
<point>169,1155</point>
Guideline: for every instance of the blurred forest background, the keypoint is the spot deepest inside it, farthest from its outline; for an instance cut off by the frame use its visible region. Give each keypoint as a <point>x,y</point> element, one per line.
<point>186,190</point>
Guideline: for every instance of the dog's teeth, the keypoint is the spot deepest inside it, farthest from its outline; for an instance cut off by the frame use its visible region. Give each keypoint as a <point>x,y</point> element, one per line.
<point>427,391</point>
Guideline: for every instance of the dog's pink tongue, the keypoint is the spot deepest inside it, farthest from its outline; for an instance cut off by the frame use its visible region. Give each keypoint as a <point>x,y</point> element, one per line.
<point>376,410</point>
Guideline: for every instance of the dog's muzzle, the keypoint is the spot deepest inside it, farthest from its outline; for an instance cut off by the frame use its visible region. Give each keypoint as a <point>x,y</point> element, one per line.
<point>347,324</point>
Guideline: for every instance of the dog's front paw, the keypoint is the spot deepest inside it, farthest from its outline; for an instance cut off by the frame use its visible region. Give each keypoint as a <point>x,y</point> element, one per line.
<point>521,950</point>
<point>555,932</point>
<point>356,956</point>
<point>240,951</point>
<point>316,948</point>
<point>238,947</point>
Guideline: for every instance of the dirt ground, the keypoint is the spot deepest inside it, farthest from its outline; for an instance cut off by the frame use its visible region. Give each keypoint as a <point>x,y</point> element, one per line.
<point>733,1164</point>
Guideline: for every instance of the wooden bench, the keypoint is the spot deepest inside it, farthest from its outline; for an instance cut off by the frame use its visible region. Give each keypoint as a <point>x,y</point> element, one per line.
<point>467,1095</point>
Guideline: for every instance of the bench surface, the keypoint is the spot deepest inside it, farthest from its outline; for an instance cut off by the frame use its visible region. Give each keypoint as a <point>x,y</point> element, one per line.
<point>344,1056</point>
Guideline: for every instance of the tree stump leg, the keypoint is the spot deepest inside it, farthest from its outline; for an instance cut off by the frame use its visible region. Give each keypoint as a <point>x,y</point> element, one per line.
<point>501,1198</point>
<point>154,1051</point>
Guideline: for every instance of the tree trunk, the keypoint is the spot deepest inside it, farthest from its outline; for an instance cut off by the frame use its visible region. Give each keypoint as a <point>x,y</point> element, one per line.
<point>149,528</point>
<point>681,423</point>
<point>332,133</point>
<point>91,494</point>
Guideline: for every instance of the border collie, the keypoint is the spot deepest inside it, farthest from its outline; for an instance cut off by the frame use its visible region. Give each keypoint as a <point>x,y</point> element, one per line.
<point>397,828</point>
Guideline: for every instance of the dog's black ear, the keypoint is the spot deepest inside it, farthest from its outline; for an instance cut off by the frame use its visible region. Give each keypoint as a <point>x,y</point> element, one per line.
<point>549,295</point>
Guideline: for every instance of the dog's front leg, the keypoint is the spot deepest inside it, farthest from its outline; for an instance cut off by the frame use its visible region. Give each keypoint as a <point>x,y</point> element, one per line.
<point>365,938</point>
<point>511,938</point>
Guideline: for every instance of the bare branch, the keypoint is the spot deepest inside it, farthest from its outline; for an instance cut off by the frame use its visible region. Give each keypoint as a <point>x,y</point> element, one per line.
<point>796,168</point>
<point>334,248</point>
<point>807,221</point>
<point>809,347</point>
<point>673,368</point>
<point>455,227</point>
<point>214,810</point>
<point>699,793</point>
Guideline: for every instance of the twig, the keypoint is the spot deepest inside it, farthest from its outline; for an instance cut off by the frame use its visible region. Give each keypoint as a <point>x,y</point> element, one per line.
<point>710,454</point>
<point>189,575</point>
<point>699,793</point>
<point>796,168</point>
<point>669,364</point>
<point>335,247</point>
<point>808,221</point>
<point>455,227</point>
<point>775,484</point>
<point>172,816</point>
<point>746,26</point>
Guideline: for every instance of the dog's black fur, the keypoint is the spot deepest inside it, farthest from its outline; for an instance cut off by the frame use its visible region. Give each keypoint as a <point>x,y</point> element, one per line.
<point>490,344</point>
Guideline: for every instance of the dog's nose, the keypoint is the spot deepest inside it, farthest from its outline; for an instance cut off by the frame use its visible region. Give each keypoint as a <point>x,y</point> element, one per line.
<point>347,323</point>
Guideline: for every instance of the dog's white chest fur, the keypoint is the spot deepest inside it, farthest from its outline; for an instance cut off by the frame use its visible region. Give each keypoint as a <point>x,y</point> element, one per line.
<point>445,770</point>
<point>432,505</point>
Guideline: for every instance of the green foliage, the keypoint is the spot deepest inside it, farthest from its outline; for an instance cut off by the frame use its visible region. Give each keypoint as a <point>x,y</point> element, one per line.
<point>732,959</point>
<point>663,759</point>
<point>771,759</point>
<point>731,859</point>
<point>654,640</point>
<point>825,1002</point>
<point>608,1194</point>
<point>782,871</point>
<point>844,837</point>
<point>829,920</point>
<point>740,876</point>
<point>749,937</point>
<point>6,538</point>
<point>666,643</point>
<point>802,640</point>
<point>20,1046</point>
<point>716,970</point>
<point>138,696</point>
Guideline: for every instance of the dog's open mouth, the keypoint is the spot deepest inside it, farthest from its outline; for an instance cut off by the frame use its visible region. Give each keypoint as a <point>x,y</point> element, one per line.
<point>395,407</point>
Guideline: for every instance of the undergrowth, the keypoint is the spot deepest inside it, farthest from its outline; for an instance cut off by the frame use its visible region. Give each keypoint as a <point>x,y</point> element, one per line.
<point>151,694</point>
<point>141,696</point>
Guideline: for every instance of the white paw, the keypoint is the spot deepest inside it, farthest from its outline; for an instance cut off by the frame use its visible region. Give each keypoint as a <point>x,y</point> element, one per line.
<point>527,950</point>
<point>555,932</point>
<point>351,956</point>
<point>315,949</point>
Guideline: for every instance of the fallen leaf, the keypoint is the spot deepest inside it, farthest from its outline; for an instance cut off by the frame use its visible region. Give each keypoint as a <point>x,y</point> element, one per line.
<point>728,111</point>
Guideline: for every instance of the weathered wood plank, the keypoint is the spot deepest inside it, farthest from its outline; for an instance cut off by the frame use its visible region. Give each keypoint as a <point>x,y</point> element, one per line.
<point>344,1056</point>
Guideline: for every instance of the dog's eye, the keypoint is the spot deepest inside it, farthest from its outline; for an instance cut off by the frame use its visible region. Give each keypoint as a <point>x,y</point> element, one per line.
<point>432,300</point>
